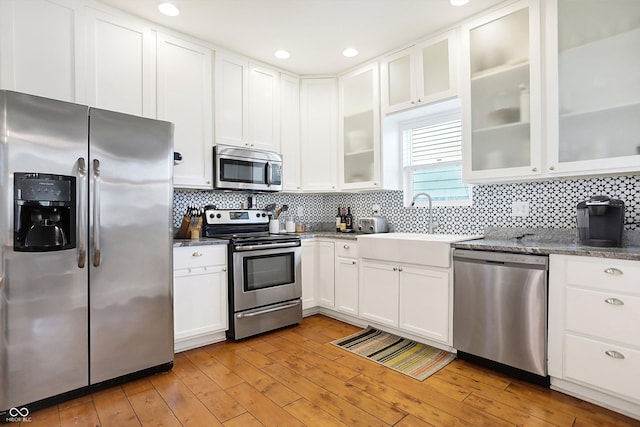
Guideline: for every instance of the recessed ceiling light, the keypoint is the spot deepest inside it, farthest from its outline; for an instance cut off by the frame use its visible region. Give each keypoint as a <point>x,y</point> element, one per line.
<point>168,9</point>
<point>350,52</point>
<point>458,2</point>
<point>282,54</point>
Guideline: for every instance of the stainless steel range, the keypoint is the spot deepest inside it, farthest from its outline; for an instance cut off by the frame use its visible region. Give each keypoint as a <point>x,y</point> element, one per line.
<point>265,287</point>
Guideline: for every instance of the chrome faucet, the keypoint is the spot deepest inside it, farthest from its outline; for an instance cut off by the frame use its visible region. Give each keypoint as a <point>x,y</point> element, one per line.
<point>413,204</point>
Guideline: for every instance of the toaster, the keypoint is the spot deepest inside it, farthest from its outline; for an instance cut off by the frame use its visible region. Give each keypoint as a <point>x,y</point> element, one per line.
<point>373,224</point>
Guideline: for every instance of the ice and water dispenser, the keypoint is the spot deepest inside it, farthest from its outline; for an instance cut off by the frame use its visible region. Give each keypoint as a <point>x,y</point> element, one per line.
<point>44,212</point>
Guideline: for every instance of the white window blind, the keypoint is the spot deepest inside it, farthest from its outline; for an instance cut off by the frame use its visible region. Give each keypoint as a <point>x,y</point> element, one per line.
<point>433,159</point>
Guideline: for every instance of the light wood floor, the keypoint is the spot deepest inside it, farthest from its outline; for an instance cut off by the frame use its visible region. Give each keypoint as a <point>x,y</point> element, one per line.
<point>294,377</point>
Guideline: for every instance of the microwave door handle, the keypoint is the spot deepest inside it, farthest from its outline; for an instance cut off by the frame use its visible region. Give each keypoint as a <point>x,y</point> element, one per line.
<point>269,174</point>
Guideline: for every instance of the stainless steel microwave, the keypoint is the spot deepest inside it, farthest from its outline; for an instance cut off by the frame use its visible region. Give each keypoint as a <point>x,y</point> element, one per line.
<point>237,168</point>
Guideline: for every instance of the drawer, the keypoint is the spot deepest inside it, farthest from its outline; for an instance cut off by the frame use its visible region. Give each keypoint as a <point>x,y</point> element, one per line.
<point>199,256</point>
<point>607,274</point>
<point>347,249</point>
<point>606,315</point>
<point>587,361</point>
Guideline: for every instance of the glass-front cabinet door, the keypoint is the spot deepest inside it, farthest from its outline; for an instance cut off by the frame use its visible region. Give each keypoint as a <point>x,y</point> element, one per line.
<point>421,74</point>
<point>593,106</point>
<point>359,152</point>
<point>501,97</point>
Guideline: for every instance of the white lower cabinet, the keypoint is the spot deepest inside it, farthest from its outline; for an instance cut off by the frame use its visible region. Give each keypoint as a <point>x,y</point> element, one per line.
<point>346,282</point>
<point>424,302</point>
<point>594,330</point>
<point>309,267</point>
<point>326,274</point>
<point>379,292</point>
<point>199,295</point>
<point>412,298</point>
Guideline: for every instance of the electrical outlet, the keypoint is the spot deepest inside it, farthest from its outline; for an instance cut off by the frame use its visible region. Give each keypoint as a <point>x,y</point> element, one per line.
<point>375,209</point>
<point>520,208</point>
<point>300,211</point>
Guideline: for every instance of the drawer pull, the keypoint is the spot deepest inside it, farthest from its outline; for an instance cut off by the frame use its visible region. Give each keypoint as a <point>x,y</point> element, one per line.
<point>346,246</point>
<point>613,271</point>
<point>196,254</point>
<point>614,301</point>
<point>353,262</point>
<point>614,354</point>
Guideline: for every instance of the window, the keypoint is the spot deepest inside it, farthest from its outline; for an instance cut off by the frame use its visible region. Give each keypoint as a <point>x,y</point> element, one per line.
<point>432,151</point>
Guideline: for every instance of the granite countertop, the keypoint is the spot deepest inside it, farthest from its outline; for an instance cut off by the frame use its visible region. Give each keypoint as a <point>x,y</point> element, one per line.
<point>550,241</point>
<point>202,242</point>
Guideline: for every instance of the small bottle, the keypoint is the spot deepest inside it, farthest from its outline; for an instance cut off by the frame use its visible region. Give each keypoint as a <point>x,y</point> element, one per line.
<point>349,219</point>
<point>338,220</point>
<point>343,220</point>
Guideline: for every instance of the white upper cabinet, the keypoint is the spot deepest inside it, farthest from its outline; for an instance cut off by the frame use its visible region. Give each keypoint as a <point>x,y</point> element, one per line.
<point>247,104</point>
<point>121,64</point>
<point>231,99</point>
<point>594,86</point>
<point>39,53</point>
<point>502,94</point>
<point>319,134</point>
<point>290,132</point>
<point>264,108</point>
<point>359,128</point>
<point>184,98</point>
<point>421,74</point>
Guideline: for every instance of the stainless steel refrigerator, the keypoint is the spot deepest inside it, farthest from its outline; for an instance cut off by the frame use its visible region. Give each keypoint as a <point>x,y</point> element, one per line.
<point>86,259</point>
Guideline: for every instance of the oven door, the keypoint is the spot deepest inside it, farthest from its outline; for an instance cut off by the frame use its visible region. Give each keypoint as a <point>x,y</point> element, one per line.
<point>266,276</point>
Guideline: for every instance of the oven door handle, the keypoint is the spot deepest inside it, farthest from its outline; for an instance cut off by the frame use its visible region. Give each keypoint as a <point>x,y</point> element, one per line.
<point>269,246</point>
<point>268,310</point>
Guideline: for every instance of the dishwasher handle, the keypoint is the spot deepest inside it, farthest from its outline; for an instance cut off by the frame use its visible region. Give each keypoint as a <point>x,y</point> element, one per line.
<point>540,262</point>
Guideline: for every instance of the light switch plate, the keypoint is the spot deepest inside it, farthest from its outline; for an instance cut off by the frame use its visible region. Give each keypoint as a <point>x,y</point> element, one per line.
<point>375,209</point>
<point>520,208</point>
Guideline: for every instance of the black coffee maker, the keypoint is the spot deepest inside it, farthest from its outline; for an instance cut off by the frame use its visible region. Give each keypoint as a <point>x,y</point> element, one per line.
<point>44,212</point>
<point>601,221</point>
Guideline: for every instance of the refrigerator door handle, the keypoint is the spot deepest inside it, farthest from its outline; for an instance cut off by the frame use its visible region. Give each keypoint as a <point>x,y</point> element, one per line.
<point>82,211</point>
<point>96,212</point>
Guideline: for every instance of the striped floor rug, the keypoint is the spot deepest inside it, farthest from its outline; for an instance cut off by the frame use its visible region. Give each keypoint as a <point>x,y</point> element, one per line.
<point>415,359</point>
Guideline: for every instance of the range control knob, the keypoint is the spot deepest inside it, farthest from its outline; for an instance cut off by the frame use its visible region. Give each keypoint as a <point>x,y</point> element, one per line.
<point>218,216</point>
<point>211,216</point>
<point>258,215</point>
<point>264,214</point>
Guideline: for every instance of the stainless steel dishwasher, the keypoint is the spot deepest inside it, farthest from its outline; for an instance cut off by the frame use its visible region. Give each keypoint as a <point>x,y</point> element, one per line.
<point>500,309</point>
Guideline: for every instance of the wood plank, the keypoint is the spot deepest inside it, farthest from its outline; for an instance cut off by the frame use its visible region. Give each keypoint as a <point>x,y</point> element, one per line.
<point>82,414</point>
<point>262,408</point>
<point>137,386</point>
<point>244,420</point>
<point>480,373</point>
<point>374,406</point>
<point>419,395</point>
<point>327,401</point>
<point>152,410</point>
<point>182,402</point>
<point>114,409</point>
<point>411,421</point>
<point>223,406</point>
<point>45,417</point>
<point>549,413</point>
<point>213,369</point>
<point>309,413</point>
<point>508,413</point>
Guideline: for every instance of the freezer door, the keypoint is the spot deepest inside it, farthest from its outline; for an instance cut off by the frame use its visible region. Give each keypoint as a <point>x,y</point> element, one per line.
<point>43,295</point>
<point>130,257</point>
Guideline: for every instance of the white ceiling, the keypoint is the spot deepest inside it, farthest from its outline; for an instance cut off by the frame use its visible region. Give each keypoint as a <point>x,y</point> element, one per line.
<point>314,31</point>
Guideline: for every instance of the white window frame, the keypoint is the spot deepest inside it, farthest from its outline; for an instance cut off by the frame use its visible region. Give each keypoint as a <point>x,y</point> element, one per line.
<point>452,112</point>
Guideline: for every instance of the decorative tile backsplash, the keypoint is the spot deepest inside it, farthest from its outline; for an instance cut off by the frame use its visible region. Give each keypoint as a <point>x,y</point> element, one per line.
<point>552,205</point>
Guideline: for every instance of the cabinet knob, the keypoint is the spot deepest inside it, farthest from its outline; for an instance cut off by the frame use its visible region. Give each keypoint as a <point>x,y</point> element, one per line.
<point>551,168</point>
<point>395,268</point>
<point>346,246</point>
<point>613,271</point>
<point>534,169</point>
<point>224,269</point>
<point>614,354</point>
<point>353,262</point>
<point>614,301</point>
<point>196,254</point>
<point>400,269</point>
